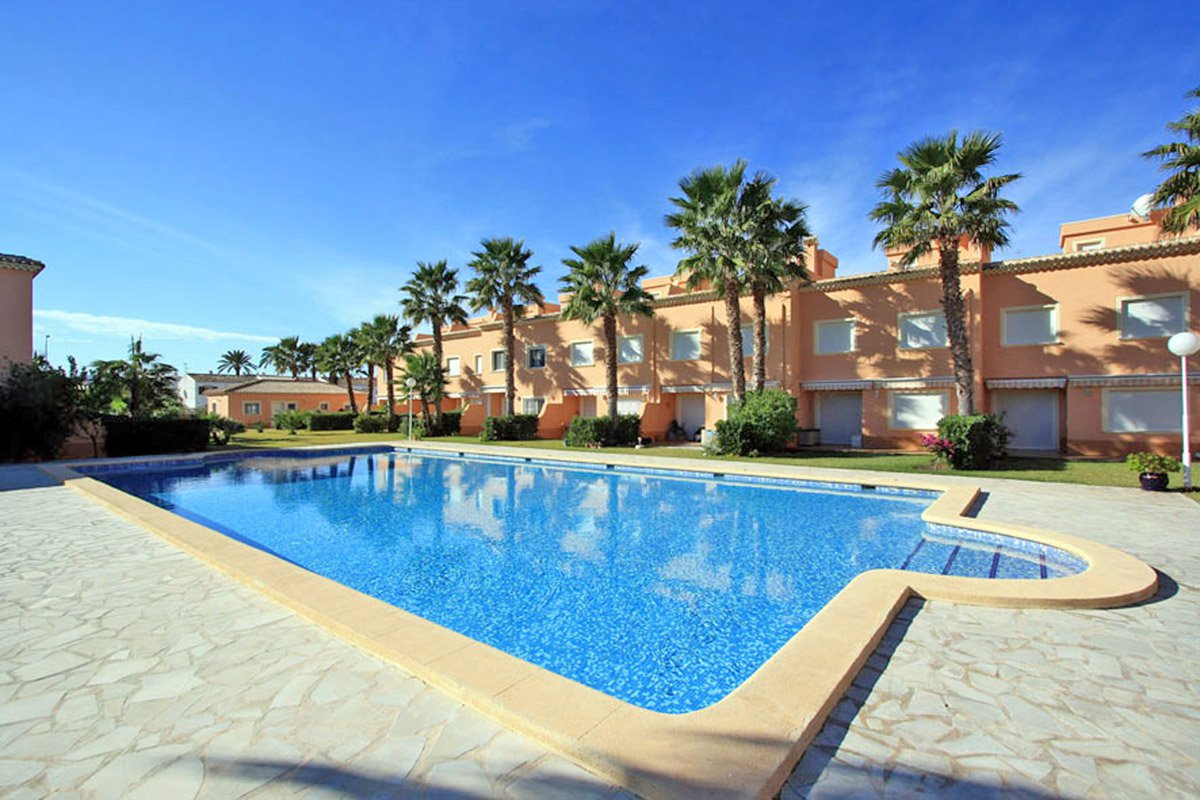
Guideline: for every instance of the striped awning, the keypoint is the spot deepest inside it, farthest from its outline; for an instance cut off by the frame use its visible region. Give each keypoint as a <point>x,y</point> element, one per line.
<point>1026,383</point>
<point>835,386</point>
<point>1150,379</point>
<point>592,391</point>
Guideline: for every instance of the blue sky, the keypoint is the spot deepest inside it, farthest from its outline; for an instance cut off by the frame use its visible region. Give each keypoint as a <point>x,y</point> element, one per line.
<point>218,175</point>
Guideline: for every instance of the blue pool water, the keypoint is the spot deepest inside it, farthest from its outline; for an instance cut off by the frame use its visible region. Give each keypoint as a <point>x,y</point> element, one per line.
<point>665,591</point>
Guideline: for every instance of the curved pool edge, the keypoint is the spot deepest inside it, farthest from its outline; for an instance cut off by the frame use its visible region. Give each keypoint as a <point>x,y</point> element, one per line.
<point>746,744</point>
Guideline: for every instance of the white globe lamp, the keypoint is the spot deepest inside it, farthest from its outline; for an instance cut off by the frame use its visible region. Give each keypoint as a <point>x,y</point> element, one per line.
<point>1183,345</point>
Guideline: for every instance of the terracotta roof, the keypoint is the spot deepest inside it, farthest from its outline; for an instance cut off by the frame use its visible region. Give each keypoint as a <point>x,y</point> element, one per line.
<point>281,386</point>
<point>22,263</point>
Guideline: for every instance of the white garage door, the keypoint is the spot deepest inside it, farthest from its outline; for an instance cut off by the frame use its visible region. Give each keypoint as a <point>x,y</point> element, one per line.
<point>1032,416</point>
<point>839,416</point>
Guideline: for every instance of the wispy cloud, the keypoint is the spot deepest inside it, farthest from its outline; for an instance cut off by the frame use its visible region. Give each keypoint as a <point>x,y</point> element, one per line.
<point>519,135</point>
<point>52,320</point>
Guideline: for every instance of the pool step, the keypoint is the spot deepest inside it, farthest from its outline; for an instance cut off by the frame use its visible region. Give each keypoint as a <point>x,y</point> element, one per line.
<point>975,561</point>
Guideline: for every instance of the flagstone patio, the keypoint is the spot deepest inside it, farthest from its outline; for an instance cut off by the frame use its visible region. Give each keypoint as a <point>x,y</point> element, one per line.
<point>128,669</point>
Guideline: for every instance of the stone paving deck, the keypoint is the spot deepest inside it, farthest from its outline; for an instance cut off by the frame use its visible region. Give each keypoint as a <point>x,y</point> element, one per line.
<point>128,669</point>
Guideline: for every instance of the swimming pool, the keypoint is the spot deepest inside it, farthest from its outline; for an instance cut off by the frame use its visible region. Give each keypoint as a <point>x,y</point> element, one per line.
<point>665,589</point>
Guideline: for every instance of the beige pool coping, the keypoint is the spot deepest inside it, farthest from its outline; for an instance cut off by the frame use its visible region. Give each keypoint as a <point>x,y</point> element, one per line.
<point>743,746</point>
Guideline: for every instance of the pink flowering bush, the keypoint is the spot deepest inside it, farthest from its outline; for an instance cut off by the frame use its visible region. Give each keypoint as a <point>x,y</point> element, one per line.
<point>942,449</point>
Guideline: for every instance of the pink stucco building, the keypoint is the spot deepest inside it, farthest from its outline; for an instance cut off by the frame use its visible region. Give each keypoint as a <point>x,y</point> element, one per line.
<point>1071,345</point>
<point>16,307</point>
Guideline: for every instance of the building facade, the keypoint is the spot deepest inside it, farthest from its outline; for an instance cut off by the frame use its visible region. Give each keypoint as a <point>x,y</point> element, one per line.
<point>16,308</point>
<point>1070,346</point>
<point>256,400</point>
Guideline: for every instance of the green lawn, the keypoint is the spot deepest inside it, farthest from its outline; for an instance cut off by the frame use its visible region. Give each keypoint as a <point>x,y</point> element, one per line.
<point>1059,470</point>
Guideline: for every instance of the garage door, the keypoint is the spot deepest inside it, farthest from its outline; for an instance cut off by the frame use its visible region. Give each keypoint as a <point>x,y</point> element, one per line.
<point>839,416</point>
<point>1032,416</point>
<point>689,412</point>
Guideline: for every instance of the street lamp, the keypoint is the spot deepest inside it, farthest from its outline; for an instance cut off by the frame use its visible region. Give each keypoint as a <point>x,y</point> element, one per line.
<point>410,382</point>
<point>1183,345</point>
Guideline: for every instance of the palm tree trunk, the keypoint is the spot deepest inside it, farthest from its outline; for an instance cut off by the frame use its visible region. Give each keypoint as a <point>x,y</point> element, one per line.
<point>437,354</point>
<point>610,363</point>
<point>733,321</point>
<point>955,313</point>
<point>391,394</point>
<point>759,295</point>
<point>350,392</point>
<point>370,384</point>
<point>425,412</point>
<point>510,387</point>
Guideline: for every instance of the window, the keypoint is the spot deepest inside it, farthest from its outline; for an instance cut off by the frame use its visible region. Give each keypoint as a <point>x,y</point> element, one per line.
<point>922,330</point>
<point>1143,411</point>
<point>629,349</point>
<point>1029,325</point>
<point>249,409</point>
<point>478,363</point>
<point>498,360</point>
<point>581,354</point>
<point>833,336</point>
<point>629,405</point>
<point>453,366</point>
<point>685,345</point>
<point>532,405</point>
<point>213,408</point>
<point>535,356</point>
<point>748,340</point>
<point>1153,316</point>
<point>1089,245</point>
<point>917,411</point>
<point>323,407</point>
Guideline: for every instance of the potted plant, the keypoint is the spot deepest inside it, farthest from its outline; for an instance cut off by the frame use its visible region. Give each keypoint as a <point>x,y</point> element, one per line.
<point>1152,469</point>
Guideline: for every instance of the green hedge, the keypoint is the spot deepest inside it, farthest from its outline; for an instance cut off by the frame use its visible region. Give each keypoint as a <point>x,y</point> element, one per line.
<point>764,422</point>
<point>603,432</point>
<point>978,439</point>
<point>141,436</point>
<point>371,423</point>
<point>331,421</point>
<point>291,421</point>
<point>509,428</point>
<point>450,425</point>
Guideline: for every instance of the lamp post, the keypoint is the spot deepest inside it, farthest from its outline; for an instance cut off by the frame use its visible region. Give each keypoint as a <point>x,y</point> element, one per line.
<point>1183,345</point>
<point>410,382</point>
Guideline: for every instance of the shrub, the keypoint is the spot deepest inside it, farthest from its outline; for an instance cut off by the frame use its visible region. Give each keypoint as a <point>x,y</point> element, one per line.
<point>258,426</point>
<point>509,428</point>
<point>221,429</point>
<point>942,449</point>
<point>450,424</point>
<point>1153,463</point>
<point>371,423</point>
<point>141,436</point>
<point>763,422</point>
<point>292,421</point>
<point>977,439</point>
<point>331,421</point>
<point>38,410</point>
<point>603,431</point>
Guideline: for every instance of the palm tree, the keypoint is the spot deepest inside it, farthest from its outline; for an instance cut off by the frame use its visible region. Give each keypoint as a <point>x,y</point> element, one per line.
<point>306,359</point>
<point>774,258</point>
<point>431,295</point>
<point>939,198</point>
<point>714,225</point>
<point>361,336</point>
<point>428,380</point>
<point>286,356</point>
<point>603,285</point>
<point>339,355</point>
<point>504,280</point>
<point>235,361</point>
<point>144,383</point>
<point>1180,190</point>
<point>383,340</point>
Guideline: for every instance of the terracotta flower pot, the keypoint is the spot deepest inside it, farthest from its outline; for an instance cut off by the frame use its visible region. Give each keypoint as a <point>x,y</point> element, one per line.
<point>1154,481</point>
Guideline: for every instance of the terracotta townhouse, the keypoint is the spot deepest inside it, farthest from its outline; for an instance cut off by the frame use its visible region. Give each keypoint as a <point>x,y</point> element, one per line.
<point>1071,346</point>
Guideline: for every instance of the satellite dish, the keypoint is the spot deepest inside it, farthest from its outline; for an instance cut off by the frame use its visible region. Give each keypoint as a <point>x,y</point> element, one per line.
<point>1141,207</point>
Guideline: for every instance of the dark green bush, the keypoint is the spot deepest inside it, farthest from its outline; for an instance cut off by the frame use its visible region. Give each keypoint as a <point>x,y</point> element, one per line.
<point>513,427</point>
<point>331,421</point>
<point>141,436</point>
<point>38,411</point>
<point>978,439</point>
<point>291,421</point>
<point>603,432</point>
<point>764,422</point>
<point>221,429</point>
<point>450,424</point>
<point>371,423</point>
